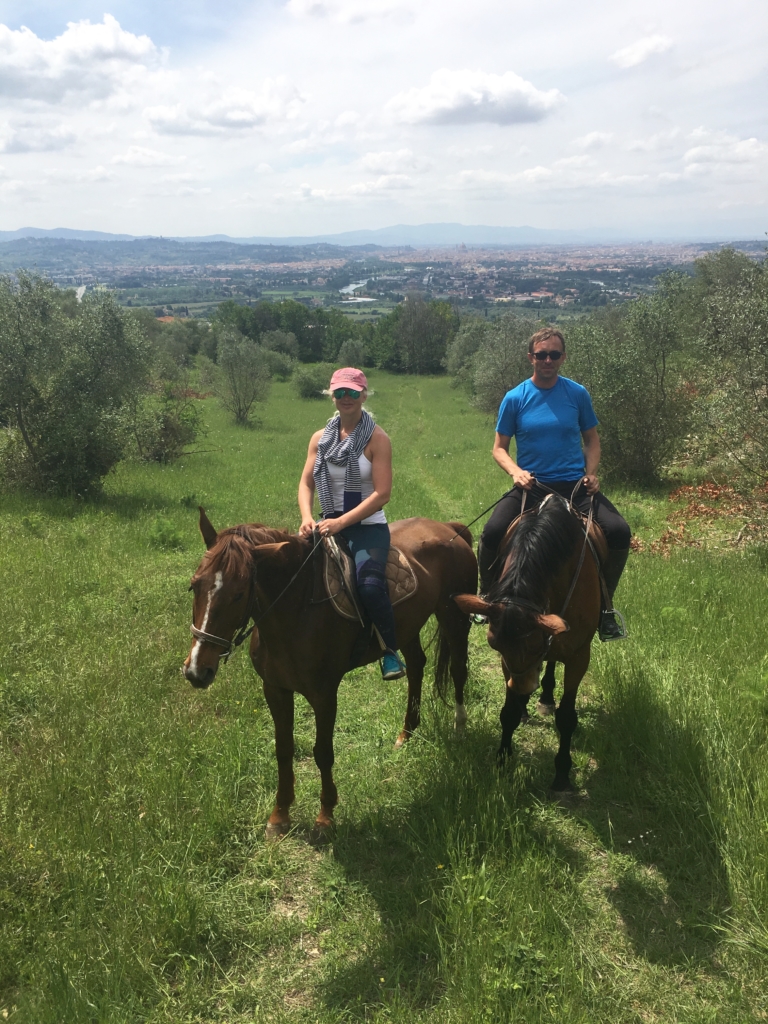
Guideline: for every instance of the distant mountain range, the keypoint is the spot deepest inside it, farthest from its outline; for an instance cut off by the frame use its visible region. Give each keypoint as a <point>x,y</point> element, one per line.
<point>415,235</point>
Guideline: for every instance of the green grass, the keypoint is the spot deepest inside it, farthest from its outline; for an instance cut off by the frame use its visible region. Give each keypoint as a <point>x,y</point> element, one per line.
<point>135,883</point>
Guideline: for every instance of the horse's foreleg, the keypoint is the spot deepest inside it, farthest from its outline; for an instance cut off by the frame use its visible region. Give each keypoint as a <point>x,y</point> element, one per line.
<point>280,703</point>
<point>566,718</point>
<point>546,705</point>
<point>511,713</point>
<point>415,660</point>
<point>325,720</point>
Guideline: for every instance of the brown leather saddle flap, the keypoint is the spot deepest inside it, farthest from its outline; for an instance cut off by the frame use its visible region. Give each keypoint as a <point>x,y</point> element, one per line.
<point>340,582</point>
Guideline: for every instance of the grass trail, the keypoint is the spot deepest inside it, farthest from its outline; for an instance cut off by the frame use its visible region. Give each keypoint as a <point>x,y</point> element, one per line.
<point>135,884</point>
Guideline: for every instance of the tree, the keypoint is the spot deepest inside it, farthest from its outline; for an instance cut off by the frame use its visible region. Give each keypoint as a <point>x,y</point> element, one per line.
<point>734,344</point>
<point>488,357</point>
<point>243,377</point>
<point>632,361</point>
<point>423,332</point>
<point>65,380</point>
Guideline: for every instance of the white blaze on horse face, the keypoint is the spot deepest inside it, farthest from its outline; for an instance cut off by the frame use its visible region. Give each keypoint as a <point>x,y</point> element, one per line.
<point>218,584</point>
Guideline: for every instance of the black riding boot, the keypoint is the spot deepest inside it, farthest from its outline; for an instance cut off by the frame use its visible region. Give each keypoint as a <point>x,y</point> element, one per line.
<point>611,622</point>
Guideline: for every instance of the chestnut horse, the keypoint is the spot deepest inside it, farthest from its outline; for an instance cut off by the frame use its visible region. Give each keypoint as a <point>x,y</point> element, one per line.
<point>548,576</point>
<point>301,645</point>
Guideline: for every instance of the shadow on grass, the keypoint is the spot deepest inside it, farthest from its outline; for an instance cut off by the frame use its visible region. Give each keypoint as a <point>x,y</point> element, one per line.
<point>646,804</point>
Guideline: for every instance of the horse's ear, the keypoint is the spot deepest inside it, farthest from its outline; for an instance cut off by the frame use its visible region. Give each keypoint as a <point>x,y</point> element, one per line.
<point>552,624</point>
<point>470,604</point>
<point>209,534</point>
<point>270,550</point>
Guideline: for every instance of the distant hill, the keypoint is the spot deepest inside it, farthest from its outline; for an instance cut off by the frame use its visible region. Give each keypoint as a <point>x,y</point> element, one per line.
<point>415,235</point>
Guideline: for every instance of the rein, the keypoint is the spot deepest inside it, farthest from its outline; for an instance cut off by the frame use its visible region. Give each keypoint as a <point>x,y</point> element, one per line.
<point>243,632</point>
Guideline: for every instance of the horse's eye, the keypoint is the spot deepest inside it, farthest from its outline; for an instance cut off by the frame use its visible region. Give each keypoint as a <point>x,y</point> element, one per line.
<point>239,597</point>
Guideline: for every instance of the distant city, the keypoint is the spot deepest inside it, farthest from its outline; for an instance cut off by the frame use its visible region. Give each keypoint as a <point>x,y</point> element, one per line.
<point>190,278</point>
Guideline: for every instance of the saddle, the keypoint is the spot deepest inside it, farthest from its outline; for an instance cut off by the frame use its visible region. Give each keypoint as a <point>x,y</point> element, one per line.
<point>339,578</point>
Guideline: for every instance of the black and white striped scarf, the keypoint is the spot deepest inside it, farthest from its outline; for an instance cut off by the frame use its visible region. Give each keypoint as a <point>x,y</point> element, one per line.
<point>347,452</point>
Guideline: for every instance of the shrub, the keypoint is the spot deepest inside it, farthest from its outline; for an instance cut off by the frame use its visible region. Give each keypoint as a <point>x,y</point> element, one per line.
<point>279,364</point>
<point>164,535</point>
<point>163,423</point>
<point>310,381</point>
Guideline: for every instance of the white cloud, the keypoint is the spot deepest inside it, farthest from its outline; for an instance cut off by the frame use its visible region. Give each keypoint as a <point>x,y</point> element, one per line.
<point>639,51</point>
<point>593,140</point>
<point>390,161</point>
<point>385,183</point>
<point>139,156</point>
<point>92,61</point>
<point>472,97</point>
<point>31,138</point>
<point>720,148</point>
<point>347,11</point>
<point>659,141</point>
<point>235,110</point>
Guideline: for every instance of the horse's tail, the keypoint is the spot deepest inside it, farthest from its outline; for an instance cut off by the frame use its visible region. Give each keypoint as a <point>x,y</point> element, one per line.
<point>462,531</point>
<point>442,662</point>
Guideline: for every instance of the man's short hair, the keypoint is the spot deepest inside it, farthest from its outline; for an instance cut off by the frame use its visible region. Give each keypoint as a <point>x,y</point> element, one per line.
<point>544,335</point>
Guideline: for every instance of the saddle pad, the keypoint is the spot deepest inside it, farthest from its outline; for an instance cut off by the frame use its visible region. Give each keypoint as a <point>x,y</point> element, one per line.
<point>401,578</point>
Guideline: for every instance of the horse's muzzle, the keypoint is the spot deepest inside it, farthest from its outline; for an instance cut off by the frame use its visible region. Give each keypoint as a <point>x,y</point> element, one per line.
<point>200,676</point>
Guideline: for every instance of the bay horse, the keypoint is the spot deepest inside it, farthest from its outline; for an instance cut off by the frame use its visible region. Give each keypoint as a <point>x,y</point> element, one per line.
<point>300,644</point>
<point>544,607</point>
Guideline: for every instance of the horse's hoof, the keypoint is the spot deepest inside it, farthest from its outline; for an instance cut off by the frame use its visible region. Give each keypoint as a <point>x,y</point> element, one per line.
<point>545,709</point>
<point>276,830</point>
<point>321,834</point>
<point>525,718</point>
<point>402,739</point>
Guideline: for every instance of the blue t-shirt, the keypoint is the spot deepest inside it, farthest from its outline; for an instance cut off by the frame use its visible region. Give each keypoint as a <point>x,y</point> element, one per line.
<point>547,424</point>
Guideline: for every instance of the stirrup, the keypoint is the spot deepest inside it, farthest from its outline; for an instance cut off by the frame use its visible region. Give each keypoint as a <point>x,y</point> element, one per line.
<point>612,626</point>
<point>392,666</point>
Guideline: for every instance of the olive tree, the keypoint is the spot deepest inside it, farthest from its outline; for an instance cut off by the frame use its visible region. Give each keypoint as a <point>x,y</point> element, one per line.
<point>67,374</point>
<point>243,374</point>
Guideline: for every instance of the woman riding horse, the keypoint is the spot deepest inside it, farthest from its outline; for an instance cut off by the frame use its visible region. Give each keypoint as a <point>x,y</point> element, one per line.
<point>349,464</point>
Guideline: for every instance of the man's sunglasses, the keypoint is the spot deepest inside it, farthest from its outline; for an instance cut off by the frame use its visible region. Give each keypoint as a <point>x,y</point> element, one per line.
<point>541,356</point>
<point>341,392</point>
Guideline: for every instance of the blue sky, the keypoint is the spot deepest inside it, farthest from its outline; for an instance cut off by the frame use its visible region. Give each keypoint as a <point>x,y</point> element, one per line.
<point>307,116</point>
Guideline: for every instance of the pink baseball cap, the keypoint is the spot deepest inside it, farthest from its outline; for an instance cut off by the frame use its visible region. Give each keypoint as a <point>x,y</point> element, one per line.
<point>349,377</point>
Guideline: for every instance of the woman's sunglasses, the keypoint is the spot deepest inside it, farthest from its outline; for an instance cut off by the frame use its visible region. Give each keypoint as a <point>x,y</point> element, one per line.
<point>541,356</point>
<point>341,392</point>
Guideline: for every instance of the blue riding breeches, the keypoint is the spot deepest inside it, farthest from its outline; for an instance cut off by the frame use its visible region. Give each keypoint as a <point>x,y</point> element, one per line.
<point>369,546</point>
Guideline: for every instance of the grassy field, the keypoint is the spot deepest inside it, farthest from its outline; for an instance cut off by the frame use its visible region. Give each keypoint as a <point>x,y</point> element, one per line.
<point>135,882</point>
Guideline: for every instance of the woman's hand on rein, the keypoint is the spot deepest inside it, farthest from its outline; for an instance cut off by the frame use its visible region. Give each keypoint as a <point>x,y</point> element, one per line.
<point>329,527</point>
<point>306,528</point>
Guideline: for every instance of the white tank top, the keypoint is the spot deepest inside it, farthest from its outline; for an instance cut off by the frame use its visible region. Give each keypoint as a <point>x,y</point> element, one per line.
<point>337,475</point>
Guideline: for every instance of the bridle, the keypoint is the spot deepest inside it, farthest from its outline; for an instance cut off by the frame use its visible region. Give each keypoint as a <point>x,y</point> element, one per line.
<point>243,631</point>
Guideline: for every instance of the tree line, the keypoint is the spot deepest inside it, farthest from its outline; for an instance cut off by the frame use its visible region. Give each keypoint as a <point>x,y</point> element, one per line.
<point>679,376</point>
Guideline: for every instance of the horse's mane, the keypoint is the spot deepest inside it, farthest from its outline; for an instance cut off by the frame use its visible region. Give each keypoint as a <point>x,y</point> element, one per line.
<point>232,554</point>
<point>539,547</point>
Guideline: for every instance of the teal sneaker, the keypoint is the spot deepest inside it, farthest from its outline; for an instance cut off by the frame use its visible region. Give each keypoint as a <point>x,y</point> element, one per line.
<point>392,666</point>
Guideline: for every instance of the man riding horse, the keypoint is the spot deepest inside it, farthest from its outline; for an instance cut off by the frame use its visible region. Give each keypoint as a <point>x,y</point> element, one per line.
<point>555,430</point>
